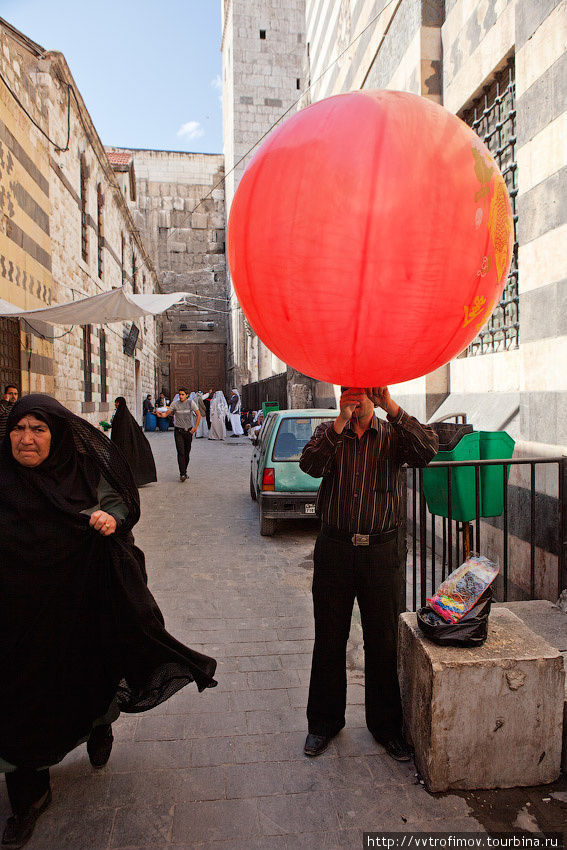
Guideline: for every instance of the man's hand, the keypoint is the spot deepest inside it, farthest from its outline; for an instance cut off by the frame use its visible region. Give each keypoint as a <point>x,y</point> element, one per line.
<point>380,397</point>
<point>103,522</point>
<point>192,431</point>
<point>349,401</point>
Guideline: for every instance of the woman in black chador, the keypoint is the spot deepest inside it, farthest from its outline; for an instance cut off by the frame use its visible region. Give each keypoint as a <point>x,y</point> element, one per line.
<point>131,440</point>
<point>81,636</point>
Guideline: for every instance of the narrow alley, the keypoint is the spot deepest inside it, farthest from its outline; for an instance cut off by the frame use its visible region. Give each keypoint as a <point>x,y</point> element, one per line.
<point>225,768</point>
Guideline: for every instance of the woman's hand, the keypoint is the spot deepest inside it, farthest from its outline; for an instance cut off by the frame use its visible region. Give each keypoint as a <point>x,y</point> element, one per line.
<point>103,523</point>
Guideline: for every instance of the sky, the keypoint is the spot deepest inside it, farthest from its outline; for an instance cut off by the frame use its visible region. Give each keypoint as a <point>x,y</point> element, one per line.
<point>148,71</point>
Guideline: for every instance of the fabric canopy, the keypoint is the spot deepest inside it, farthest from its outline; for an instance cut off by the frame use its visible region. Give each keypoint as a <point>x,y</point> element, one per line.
<point>114,306</point>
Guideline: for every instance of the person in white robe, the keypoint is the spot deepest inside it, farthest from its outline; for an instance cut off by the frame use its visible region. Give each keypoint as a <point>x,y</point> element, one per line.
<point>235,408</point>
<point>219,410</point>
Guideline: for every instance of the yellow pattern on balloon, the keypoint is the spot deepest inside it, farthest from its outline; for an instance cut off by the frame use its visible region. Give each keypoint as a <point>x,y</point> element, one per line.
<point>500,226</point>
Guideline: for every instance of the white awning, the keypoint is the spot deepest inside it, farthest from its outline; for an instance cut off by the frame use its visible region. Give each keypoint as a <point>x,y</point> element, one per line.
<point>114,306</point>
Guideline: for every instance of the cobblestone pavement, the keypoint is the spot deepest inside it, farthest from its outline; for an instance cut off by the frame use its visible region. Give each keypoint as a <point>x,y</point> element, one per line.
<point>225,769</point>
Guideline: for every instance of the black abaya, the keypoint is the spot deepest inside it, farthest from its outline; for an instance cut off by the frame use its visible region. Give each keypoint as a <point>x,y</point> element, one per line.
<point>79,628</point>
<point>133,443</point>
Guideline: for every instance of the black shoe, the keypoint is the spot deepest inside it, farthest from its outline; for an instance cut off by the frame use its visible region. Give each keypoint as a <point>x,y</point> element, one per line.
<point>397,748</point>
<point>99,745</point>
<point>182,478</point>
<point>316,744</point>
<point>19,828</point>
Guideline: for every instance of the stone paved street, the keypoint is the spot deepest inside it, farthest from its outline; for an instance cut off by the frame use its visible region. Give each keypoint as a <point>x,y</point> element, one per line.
<point>225,769</point>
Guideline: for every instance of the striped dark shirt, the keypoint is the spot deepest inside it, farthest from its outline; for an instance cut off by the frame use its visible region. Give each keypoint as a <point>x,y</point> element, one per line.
<point>360,491</point>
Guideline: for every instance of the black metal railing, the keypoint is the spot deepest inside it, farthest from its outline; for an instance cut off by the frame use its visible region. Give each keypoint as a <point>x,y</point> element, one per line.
<point>436,552</point>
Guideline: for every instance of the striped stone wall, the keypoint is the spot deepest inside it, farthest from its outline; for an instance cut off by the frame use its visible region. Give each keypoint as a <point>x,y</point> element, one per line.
<point>541,74</point>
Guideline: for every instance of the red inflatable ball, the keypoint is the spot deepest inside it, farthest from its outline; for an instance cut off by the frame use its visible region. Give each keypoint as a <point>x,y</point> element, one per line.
<point>370,238</point>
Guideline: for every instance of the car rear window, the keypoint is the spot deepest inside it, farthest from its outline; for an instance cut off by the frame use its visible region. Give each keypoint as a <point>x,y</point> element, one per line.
<point>293,434</point>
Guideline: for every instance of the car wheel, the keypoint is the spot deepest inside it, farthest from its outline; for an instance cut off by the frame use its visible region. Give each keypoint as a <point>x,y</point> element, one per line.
<point>267,526</point>
<point>252,488</point>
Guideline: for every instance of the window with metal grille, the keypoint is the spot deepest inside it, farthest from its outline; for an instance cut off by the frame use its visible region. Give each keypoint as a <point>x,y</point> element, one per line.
<point>134,274</point>
<point>102,354</point>
<point>493,117</point>
<point>99,229</point>
<point>87,363</point>
<point>84,235</point>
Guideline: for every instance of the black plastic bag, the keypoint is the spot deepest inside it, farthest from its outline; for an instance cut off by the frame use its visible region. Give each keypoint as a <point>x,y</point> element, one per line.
<point>472,630</point>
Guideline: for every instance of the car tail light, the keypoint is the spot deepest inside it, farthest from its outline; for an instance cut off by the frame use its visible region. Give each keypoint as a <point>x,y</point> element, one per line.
<point>269,479</point>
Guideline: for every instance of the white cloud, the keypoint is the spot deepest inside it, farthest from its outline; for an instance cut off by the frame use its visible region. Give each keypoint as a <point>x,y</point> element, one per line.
<point>216,83</point>
<point>191,130</point>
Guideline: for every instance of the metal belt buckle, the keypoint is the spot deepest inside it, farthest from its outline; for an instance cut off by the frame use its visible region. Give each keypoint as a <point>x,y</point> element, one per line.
<point>361,539</point>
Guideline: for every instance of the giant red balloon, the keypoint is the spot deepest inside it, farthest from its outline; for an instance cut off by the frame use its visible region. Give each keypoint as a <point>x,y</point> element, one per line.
<point>370,238</point>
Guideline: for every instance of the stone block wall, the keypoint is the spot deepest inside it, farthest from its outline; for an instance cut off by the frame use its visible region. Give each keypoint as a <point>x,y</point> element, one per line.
<point>26,279</point>
<point>477,41</point>
<point>180,212</point>
<point>263,49</point>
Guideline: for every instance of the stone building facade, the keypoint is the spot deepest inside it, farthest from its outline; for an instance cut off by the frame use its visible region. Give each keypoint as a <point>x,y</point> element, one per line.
<point>66,233</point>
<point>178,206</point>
<point>263,49</point>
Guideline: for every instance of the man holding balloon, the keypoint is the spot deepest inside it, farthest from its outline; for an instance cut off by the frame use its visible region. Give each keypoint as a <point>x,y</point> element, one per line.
<point>359,457</point>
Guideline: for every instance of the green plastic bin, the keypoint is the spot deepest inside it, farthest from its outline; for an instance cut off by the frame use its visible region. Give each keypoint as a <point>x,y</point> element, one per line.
<point>463,499</point>
<point>267,406</point>
<point>480,445</point>
<point>493,445</point>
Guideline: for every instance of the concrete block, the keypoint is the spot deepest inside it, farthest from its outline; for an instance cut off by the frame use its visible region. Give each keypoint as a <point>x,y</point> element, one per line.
<point>484,717</point>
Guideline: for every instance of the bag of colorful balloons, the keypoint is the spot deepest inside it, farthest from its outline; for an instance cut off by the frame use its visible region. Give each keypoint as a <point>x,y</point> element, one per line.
<point>471,630</point>
<point>463,587</point>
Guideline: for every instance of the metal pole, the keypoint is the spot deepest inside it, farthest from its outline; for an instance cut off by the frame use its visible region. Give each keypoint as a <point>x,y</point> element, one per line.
<point>562,560</point>
<point>422,541</point>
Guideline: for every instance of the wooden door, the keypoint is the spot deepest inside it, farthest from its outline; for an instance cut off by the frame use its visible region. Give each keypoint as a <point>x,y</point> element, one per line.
<point>211,367</point>
<point>197,367</point>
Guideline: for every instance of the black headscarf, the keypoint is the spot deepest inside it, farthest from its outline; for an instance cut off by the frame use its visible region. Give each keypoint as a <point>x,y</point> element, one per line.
<point>78,456</point>
<point>128,436</point>
<point>79,628</point>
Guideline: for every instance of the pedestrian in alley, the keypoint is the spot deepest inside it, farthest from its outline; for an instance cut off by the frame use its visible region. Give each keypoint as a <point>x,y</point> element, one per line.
<point>219,412</point>
<point>235,408</point>
<point>207,398</point>
<point>82,637</point>
<point>186,418</point>
<point>202,429</point>
<point>133,444</point>
<point>148,411</point>
<point>359,457</point>
<point>7,402</point>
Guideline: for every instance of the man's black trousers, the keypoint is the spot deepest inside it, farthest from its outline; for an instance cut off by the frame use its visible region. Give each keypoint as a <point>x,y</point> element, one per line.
<point>373,576</point>
<point>183,440</point>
